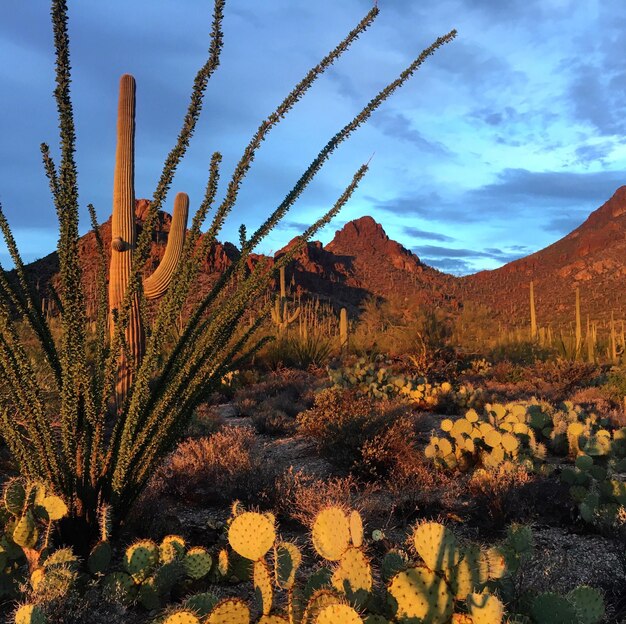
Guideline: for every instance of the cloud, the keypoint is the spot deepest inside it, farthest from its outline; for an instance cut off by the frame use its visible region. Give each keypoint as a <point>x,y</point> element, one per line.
<point>436,251</point>
<point>414,232</point>
<point>515,191</point>
<point>450,265</point>
<point>399,126</point>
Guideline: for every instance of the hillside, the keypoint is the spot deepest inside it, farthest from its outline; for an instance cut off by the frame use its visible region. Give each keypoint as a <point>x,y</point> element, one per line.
<point>591,258</point>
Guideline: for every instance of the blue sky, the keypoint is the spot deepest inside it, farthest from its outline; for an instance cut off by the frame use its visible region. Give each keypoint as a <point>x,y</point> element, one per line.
<point>502,143</point>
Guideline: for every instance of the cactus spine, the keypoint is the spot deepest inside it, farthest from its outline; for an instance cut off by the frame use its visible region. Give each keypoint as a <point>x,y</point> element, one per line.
<point>533,314</point>
<point>124,237</point>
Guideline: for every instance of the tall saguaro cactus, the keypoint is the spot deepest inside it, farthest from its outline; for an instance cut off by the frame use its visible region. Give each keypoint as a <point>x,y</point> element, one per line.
<point>533,313</point>
<point>124,237</point>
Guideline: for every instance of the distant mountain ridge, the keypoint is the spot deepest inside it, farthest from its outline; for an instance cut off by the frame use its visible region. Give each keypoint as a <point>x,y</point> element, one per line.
<point>361,261</point>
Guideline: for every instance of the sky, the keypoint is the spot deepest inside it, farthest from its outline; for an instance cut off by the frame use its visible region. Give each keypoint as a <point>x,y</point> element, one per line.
<point>502,142</point>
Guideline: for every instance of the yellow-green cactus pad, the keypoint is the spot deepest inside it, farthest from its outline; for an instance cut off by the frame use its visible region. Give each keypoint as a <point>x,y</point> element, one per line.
<point>197,562</point>
<point>446,425</point>
<point>436,545</point>
<point>25,533</point>
<point>318,601</point>
<point>172,547</point>
<point>356,529</point>
<point>55,507</point>
<point>471,572</point>
<point>201,604</point>
<point>230,611</point>
<point>353,576</point>
<point>287,560</point>
<point>495,562</point>
<point>263,589</point>
<point>273,619</point>
<point>140,559</point>
<point>331,533</point>
<point>251,535</point>
<point>181,617</point>
<point>30,614</point>
<point>420,593</point>
<point>471,416</point>
<point>485,609</point>
<point>338,614</point>
<point>14,496</point>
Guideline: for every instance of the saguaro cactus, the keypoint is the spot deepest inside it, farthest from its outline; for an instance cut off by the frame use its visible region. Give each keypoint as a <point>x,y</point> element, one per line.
<point>123,239</point>
<point>533,315</point>
<point>579,334</point>
<point>343,330</point>
<point>280,314</point>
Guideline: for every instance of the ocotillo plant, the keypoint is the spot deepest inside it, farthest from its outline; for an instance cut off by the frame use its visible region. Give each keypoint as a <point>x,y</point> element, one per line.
<point>84,451</point>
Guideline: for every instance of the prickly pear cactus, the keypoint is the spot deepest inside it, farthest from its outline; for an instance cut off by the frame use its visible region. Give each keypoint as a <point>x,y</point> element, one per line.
<point>353,576</point>
<point>588,603</point>
<point>172,547</point>
<point>141,559</point>
<point>181,616</point>
<point>485,609</point>
<point>30,614</point>
<point>263,587</point>
<point>287,560</point>
<point>197,562</point>
<point>338,614</point>
<point>331,533</point>
<point>230,611</point>
<point>251,535</point>
<point>422,594</point>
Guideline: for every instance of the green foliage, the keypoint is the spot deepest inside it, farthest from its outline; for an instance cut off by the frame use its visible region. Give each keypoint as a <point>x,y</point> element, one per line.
<point>500,434</point>
<point>82,450</point>
<point>594,482</point>
<point>370,379</point>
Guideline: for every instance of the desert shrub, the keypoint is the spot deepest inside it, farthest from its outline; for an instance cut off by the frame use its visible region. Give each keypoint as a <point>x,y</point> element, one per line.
<point>274,403</point>
<point>300,496</point>
<point>225,466</point>
<point>520,352</point>
<point>346,427</point>
<point>513,493</point>
<point>204,422</point>
<point>382,452</point>
<point>414,488</point>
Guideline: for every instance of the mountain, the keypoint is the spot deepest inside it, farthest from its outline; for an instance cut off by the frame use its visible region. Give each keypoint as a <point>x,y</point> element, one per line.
<point>591,258</point>
<point>362,261</point>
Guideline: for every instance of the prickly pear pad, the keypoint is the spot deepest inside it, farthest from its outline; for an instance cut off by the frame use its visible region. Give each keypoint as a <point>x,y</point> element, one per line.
<point>331,533</point>
<point>485,609</point>
<point>353,576</point>
<point>338,614</point>
<point>420,593</point>
<point>356,529</point>
<point>436,545</point>
<point>197,562</point>
<point>251,535</point>
<point>181,617</point>
<point>30,614</point>
<point>230,611</point>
